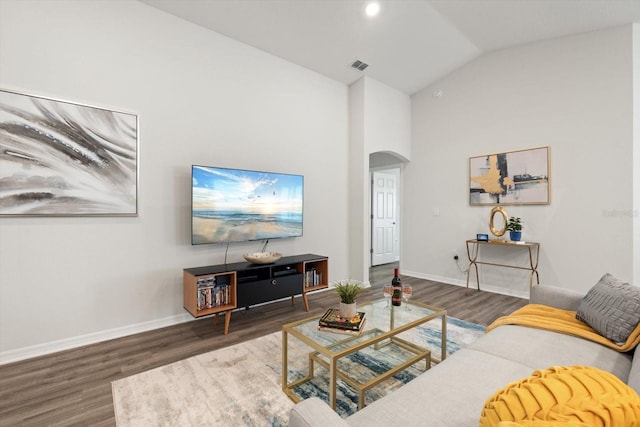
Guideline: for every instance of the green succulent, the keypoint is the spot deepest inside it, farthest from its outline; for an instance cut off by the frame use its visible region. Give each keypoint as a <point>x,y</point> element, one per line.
<point>347,290</point>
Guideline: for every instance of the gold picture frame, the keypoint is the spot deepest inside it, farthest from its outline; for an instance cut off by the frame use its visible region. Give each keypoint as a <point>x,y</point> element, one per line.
<point>520,177</point>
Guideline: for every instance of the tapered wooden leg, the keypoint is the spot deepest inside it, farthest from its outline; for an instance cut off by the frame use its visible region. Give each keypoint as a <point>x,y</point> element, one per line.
<point>227,321</point>
<point>215,320</point>
<point>306,302</point>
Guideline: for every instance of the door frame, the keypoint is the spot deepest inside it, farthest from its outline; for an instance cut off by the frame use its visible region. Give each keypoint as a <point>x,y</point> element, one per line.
<point>396,170</point>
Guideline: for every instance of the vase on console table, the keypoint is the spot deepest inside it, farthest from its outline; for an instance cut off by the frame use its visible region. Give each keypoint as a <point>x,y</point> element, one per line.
<point>514,225</point>
<point>515,236</point>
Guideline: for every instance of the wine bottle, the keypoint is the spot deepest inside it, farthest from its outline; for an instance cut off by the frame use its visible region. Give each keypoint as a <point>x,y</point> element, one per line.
<point>396,282</point>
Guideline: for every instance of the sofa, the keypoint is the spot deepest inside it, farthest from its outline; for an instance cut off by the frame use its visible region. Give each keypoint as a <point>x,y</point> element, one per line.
<point>455,392</point>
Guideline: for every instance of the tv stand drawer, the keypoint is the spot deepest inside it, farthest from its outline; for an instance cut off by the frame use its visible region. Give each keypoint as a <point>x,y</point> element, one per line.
<point>252,293</point>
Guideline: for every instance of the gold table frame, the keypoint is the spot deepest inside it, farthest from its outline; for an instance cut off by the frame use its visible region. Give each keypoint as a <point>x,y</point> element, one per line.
<point>530,246</point>
<point>336,346</point>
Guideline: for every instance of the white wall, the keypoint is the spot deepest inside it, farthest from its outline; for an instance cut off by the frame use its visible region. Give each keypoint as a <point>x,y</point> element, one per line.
<point>636,152</point>
<point>358,172</point>
<point>201,98</point>
<point>573,94</point>
<point>380,121</point>
<point>387,120</point>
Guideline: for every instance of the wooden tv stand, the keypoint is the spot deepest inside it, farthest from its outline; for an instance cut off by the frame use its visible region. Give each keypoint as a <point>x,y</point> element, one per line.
<point>216,289</point>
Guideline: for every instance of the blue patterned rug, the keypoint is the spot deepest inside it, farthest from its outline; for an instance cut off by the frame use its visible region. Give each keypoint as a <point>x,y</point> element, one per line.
<point>241,385</point>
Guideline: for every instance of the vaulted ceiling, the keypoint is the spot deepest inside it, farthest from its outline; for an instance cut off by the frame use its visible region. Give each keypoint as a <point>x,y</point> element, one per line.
<point>409,44</point>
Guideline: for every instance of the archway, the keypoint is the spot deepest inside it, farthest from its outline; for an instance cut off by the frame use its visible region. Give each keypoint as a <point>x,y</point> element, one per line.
<point>384,214</point>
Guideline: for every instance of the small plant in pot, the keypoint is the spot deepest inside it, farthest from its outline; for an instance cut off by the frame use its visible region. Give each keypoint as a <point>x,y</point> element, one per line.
<point>348,290</point>
<point>515,228</point>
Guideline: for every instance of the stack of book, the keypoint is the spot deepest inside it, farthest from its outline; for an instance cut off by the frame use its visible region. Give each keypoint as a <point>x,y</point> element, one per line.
<point>312,278</point>
<point>332,321</point>
<point>212,294</point>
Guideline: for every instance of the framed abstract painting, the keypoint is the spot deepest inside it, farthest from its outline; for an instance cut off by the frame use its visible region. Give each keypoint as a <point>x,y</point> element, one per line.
<point>60,158</point>
<point>511,178</point>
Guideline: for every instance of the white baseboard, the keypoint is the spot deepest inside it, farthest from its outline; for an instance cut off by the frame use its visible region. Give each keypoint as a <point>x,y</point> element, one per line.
<point>82,340</point>
<point>485,287</point>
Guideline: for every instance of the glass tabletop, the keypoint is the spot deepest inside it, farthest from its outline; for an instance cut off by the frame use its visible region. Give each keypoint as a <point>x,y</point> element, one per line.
<point>379,320</point>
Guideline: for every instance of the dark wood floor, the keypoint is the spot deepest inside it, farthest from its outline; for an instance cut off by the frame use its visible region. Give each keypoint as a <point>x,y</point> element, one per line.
<point>74,387</point>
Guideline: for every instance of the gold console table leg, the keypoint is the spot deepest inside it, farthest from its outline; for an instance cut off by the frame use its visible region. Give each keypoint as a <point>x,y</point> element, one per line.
<point>472,262</point>
<point>534,266</point>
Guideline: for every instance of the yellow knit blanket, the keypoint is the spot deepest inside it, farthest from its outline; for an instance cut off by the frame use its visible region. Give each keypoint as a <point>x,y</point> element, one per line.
<point>562,321</point>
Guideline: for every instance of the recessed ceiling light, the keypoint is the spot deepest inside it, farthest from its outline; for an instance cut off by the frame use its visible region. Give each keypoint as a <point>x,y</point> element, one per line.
<point>372,9</point>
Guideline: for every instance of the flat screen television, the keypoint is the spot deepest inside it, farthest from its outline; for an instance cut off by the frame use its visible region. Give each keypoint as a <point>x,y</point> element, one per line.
<point>235,205</point>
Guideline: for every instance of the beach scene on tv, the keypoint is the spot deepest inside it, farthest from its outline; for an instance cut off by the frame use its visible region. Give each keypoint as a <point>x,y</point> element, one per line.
<point>231,205</point>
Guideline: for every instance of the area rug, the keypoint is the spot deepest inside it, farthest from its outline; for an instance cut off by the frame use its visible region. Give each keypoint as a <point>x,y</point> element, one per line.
<point>240,385</point>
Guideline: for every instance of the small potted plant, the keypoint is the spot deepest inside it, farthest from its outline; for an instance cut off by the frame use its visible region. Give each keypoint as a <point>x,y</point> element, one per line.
<point>348,290</point>
<point>515,228</point>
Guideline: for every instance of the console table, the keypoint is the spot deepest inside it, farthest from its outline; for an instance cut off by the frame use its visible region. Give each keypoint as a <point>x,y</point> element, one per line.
<point>216,289</point>
<point>473,249</point>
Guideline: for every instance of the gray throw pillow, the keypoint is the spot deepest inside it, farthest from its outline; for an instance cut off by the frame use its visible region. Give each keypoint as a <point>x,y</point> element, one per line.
<point>611,307</point>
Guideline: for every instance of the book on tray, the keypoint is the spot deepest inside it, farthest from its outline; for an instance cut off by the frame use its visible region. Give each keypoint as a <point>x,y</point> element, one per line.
<point>331,320</point>
<point>341,331</point>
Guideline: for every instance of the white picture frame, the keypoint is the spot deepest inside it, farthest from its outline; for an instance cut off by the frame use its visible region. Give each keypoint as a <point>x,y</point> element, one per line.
<point>61,158</point>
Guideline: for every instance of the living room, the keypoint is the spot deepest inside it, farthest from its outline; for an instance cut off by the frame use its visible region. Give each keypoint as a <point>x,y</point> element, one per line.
<point>204,98</point>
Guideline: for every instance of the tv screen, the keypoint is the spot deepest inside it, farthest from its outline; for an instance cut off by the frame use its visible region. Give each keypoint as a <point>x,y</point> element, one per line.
<point>234,205</point>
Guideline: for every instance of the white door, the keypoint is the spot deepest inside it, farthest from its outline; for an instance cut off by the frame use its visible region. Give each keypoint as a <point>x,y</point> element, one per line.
<point>385,243</point>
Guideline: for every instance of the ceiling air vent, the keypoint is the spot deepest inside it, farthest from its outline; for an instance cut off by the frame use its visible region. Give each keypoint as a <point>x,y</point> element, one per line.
<point>359,65</point>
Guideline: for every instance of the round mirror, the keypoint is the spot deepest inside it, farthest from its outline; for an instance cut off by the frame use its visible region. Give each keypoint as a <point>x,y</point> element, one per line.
<point>498,226</point>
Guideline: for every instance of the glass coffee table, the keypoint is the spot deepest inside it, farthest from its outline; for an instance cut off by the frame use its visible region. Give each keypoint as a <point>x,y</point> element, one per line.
<point>382,327</point>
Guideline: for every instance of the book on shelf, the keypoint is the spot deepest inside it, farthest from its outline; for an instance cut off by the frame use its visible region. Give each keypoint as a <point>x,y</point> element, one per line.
<point>312,277</point>
<point>213,296</point>
<point>205,282</point>
<point>343,331</point>
<point>332,319</point>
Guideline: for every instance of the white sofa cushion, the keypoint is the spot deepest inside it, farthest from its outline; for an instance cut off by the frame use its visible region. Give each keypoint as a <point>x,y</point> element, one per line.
<point>449,394</point>
<point>541,349</point>
<point>634,374</point>
<point>554,296</point>
<point>313,410</point>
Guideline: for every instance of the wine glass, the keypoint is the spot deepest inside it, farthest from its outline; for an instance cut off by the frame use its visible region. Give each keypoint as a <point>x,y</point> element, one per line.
<point>387,291</point>
<point>407,291</point>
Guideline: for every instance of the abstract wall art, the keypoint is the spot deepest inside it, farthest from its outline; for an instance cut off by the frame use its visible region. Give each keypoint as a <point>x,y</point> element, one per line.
<point>61,158</point>
<point>511,178</point>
